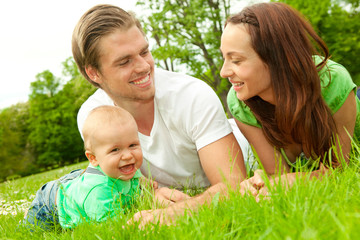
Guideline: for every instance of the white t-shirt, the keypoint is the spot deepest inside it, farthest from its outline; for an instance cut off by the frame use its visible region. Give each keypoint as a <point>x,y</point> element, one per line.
<point>188,116</point>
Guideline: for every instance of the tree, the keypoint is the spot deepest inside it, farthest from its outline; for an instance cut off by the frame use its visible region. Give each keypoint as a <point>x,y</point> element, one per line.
<point>13,134</point>
<point>187,35</point>
<point>42,133</point>
<point>54,137</point>
<point>338,23</point>
<point>43,118</point>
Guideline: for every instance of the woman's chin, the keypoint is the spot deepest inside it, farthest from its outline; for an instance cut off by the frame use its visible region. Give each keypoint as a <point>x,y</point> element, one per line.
<point>241,97</point>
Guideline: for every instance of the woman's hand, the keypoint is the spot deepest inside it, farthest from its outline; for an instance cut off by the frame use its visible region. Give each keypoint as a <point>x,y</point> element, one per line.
<point>285,181</point>
<point>253,184</point>
<point>256,185</point>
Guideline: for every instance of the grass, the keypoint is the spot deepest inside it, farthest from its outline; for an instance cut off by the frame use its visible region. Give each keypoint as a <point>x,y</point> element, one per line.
<point>326,209</point>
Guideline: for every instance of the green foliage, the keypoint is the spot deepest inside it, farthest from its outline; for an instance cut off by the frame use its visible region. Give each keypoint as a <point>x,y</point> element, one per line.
<point>187,35</point>
<point>42,133</point>
<point>13,134</point>
<point>54,137</point>
<point>338,23</point>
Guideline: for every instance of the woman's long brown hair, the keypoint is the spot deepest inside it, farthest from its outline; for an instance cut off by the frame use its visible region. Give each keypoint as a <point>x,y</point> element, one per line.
<point>286,43</point>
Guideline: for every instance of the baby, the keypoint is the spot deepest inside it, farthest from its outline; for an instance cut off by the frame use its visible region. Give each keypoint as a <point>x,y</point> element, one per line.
<point>108,185</point>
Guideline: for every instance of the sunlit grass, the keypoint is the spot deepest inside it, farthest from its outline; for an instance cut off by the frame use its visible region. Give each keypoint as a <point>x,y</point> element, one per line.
<point>316,209</point>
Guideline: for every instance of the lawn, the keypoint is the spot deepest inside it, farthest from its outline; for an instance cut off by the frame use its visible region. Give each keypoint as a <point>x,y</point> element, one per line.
<point>326,209</point>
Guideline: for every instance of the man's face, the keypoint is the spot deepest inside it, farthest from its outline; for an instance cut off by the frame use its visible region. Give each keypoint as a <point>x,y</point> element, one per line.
<point>126,67</point>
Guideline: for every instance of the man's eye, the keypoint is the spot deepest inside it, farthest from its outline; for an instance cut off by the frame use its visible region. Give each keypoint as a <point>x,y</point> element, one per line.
<point>124,63</point>
<point>145,52</point>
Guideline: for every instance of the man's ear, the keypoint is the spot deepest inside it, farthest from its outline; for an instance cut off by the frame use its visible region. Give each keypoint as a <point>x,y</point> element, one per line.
<point>93,74</point>
<point>92,158</point>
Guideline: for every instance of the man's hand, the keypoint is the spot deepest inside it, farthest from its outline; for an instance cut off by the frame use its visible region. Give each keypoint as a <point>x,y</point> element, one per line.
<point>164,216</point>
<point>166,196</point>
<point>147,216</point>
<point>180,203</point>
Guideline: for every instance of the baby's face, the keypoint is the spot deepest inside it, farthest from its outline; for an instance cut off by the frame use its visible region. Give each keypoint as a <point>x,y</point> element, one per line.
<point>117,150</point>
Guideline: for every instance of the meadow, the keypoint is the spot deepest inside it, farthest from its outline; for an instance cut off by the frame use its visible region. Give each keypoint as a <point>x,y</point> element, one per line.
<point>311,209</point>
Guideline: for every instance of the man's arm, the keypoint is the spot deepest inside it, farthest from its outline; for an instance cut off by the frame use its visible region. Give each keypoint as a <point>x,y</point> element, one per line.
<point>168,215</point>
<point>224,166</point>
<point>223,161</point>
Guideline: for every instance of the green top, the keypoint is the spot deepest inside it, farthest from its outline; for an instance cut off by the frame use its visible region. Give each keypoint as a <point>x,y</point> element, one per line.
<point>93,196</point>
<point>334,90</point>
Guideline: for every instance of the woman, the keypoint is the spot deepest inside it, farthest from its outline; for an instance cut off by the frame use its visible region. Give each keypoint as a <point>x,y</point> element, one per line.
<point>287,97</point>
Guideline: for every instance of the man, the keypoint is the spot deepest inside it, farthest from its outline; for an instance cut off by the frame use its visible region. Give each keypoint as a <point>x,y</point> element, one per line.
<point>186,139</point>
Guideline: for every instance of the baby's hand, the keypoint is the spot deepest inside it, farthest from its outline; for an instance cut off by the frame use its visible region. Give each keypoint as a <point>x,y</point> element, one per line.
<point>148,183</point>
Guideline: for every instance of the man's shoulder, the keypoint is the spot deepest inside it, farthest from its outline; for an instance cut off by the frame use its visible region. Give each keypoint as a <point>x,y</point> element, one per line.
<point>181,98</point>
<point>175,84</point>
<point>99,97</point>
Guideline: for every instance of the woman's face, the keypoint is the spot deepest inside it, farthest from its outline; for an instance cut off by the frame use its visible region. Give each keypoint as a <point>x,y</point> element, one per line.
<point>248,74</point>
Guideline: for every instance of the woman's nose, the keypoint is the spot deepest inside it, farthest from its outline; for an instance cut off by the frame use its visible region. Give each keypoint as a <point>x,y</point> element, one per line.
<point>225,72</point>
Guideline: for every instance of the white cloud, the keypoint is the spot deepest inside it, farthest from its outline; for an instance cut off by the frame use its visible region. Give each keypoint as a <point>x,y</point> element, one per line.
<point>36,36</point>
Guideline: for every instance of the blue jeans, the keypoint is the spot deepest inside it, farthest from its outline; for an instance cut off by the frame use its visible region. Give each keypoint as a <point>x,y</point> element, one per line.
<point>42,211</point>
<point>358,93</point>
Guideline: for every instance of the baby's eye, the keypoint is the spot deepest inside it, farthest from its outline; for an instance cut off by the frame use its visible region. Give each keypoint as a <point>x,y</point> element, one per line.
<point>115,150</point>
<point>133,145</point>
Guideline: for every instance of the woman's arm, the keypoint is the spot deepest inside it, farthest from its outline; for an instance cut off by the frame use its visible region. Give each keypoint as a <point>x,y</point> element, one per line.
<point>269,157</point>
<point>345,119</point>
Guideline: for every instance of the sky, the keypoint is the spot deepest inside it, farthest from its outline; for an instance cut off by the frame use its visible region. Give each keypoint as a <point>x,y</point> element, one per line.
<point>36,36</point>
